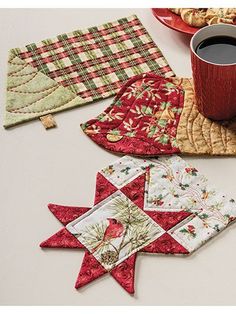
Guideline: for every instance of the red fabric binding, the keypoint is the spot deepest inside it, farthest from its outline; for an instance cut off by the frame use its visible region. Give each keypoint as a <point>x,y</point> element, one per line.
<point>124,273</point>
<point>90,270</point>
<point>62,239</point>
<point>66,214</point>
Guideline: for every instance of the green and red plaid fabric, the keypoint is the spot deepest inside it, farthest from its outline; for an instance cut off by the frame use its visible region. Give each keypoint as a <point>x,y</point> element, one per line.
<point>94,63</point>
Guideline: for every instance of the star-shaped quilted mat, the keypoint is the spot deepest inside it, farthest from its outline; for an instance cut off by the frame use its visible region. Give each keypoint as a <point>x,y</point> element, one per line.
<point>133,212</point>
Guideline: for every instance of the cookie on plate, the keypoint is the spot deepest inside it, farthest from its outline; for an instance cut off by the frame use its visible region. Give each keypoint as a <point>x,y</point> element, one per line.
<point>194,17</point>
<point>221,15</point>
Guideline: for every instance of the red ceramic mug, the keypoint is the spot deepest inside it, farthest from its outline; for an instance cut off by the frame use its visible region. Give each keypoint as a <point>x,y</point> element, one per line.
<point>215,84</point>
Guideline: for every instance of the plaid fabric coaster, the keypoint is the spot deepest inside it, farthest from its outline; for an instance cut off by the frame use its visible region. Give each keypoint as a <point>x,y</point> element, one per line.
<point>78,67</point>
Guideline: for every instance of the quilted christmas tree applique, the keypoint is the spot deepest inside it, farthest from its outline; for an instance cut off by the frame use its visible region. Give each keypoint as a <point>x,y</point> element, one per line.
<point>155,206</point>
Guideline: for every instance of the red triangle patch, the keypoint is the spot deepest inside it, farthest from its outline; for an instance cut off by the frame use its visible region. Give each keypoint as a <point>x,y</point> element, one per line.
<point>104,188</point>
<point>66,214</point>
<point>135,190</point>
<point>167,220</point>
<point>165,245</point>
<point>90,270</point>
<point>124,273</point>
<point>62,239</point>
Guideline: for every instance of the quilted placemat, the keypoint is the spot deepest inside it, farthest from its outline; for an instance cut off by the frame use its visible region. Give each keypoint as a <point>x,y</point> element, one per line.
<point>77,68</point>
<point>152,115</point>
<point>153,206</point>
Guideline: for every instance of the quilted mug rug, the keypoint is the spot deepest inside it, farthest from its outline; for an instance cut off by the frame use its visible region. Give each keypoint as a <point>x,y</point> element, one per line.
<point>152,115</point>
<point>77,68</point>
<point>152,206</point>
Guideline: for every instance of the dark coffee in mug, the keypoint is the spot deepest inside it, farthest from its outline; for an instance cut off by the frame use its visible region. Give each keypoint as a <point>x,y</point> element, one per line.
<point>218,49</point>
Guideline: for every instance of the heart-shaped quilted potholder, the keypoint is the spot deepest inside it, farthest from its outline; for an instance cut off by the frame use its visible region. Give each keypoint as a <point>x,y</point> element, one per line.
<point>143,118</point>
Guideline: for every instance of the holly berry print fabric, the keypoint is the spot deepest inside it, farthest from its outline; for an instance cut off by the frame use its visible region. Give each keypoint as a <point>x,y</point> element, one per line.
<point>78,67</point>
<point>156,206</point>
<point>153,115</point>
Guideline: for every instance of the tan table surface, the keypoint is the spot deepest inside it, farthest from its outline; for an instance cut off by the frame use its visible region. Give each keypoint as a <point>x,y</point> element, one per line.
<point>38,167</point>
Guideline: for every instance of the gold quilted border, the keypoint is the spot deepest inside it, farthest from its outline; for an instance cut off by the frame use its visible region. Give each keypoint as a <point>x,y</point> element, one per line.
<point>199,135</point>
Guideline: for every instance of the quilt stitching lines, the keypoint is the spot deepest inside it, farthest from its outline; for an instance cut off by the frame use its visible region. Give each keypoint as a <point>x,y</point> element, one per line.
<point>180,232</point>
<point>68,45</point>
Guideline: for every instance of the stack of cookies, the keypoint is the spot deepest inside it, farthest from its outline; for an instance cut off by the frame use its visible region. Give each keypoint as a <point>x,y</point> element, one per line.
<point>199,17</point>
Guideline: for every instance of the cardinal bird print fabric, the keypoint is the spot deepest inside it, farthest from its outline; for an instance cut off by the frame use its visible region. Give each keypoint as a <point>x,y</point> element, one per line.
<point>115,229</point>
<point>158,206</point>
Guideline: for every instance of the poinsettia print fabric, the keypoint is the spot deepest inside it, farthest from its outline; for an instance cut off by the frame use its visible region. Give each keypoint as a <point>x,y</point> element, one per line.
<point>142,119</point>
<point>158,206</point>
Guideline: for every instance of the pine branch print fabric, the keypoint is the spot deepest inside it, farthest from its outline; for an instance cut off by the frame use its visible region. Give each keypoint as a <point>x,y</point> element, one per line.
<point>78,67</point>
<point>159,206</point>
<point>143,118</point>
<point>115,229</point>
<point>152,115</point>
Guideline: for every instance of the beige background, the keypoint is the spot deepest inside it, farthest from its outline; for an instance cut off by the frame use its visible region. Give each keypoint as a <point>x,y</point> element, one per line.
<point>38,167</point>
